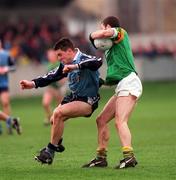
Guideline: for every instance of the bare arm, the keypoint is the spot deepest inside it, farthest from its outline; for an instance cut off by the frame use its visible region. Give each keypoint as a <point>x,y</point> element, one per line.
<point>102,33</point>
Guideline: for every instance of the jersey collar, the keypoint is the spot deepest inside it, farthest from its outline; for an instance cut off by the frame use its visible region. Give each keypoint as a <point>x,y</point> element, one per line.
<point>77,54</point>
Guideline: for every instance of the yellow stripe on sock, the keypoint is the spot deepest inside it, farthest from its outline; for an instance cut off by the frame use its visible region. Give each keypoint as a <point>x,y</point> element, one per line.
<point>127,151</point>
<point>101,152</point>
<point>127,148</point>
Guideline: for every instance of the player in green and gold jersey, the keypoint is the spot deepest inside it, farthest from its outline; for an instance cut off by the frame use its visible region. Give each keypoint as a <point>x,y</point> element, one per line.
<point>120,72</point>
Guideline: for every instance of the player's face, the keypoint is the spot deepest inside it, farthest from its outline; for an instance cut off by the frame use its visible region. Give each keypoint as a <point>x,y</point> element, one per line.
<point>64,56</point>
<point>102,26</point>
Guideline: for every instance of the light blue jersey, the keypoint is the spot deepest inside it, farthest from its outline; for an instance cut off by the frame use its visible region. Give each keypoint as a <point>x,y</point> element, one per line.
<point>82,82</point>
<point>5,61</point>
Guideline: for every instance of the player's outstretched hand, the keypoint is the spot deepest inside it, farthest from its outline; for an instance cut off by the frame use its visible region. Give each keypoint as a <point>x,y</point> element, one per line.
<point>25,84</point>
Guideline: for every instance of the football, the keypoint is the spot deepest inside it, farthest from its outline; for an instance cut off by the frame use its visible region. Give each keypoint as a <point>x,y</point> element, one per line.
<point>103,44</point>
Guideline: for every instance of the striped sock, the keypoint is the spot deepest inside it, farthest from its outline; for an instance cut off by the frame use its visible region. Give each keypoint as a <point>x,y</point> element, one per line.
<point>101,153</point>
<point>127,151</point>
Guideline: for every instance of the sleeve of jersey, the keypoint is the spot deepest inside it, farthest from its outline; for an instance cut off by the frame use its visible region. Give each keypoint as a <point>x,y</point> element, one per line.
<point>115,33</point>
<point>118,35</point>
<point>92,64</point>
<point>51,76</point>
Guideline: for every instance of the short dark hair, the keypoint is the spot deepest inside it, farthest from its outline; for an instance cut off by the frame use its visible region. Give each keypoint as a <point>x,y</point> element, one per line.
<point>64,44</point>
<point>112,21</point>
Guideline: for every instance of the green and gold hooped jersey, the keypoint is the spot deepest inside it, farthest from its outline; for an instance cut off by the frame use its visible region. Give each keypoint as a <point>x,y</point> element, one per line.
<point>119,58</point>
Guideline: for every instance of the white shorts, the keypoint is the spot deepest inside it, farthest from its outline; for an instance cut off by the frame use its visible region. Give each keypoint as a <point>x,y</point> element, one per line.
<point>129,85</point>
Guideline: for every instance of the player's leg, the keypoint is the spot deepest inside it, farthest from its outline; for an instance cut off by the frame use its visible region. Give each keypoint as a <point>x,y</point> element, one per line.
<point>64,112</point>
<point>7,119</point>
<point>60,114</point>
<point>128,91</point>
<point>46,102</point>
<point>1,129</point>
<point>103,134</point>
<point>3,116</point>
<point>11,122</point>
<point>103,118</point>
<point>5,100</point>
<point>124,108</point>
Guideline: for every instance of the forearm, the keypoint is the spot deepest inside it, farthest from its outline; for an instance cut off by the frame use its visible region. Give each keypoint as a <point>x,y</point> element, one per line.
<point>97,34</point>
<point>50,77</point>
<point>40,82</point>
<point>102,34</point>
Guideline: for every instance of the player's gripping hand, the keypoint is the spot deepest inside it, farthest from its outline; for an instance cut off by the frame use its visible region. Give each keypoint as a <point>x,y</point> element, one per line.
<point>25,84</point>
<point>70,67</point>
<point>3,70</point>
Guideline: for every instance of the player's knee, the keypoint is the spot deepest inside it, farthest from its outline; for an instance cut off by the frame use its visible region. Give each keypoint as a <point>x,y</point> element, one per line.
<point>57,115</point>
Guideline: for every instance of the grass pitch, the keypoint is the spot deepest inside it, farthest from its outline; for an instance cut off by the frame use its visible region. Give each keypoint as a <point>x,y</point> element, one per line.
<point>153,126</point>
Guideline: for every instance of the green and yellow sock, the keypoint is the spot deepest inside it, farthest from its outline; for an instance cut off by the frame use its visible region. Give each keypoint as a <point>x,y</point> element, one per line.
<point>127,151</point>
<point>101,153</point>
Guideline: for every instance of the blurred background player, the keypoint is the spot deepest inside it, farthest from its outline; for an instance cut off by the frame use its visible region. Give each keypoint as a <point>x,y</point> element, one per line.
<point>6,65</point>
<point>13,123</point>
<point>56,90</point>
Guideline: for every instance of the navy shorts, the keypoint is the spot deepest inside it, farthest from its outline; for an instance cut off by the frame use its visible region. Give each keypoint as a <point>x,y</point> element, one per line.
<point>4,89</point>
<point>93,101</point>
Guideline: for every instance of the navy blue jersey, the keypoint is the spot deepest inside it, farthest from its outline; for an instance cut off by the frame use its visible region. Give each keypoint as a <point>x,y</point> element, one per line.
<point>5,61</point>
<point>83,81</point>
